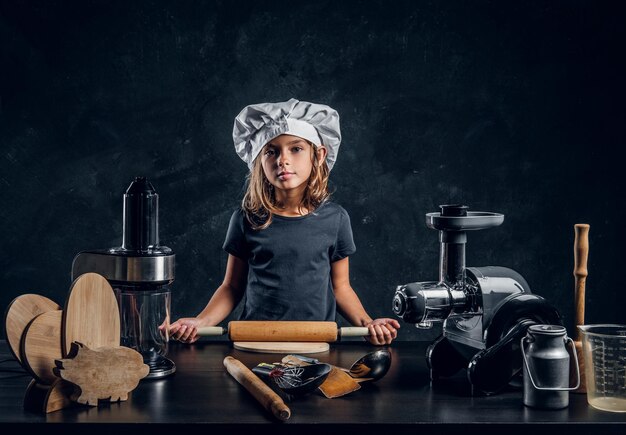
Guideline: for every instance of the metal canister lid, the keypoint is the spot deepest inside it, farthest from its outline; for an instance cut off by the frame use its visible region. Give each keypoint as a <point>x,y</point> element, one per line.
<point>547,330</point>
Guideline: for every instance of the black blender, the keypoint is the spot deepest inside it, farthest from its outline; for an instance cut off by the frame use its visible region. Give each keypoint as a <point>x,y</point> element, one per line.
<point>485,310</point>
<point>141,272</point>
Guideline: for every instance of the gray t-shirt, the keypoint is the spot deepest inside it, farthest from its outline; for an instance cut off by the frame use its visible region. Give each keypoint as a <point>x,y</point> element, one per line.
<point>289,263</point>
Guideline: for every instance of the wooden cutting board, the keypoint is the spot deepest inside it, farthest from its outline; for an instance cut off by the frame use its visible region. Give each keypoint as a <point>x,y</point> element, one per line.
<point>91,315</point>
<point>48,398</point>
<point>106,373</point>
<point>20,312</point>
<point>281,347</point>
<point>41,346</point>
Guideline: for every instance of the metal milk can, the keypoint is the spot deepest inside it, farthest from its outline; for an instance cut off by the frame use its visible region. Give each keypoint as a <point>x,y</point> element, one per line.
<point>546,367</point>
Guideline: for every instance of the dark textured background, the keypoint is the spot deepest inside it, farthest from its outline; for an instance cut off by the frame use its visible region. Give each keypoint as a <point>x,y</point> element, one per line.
<point>511,107</point>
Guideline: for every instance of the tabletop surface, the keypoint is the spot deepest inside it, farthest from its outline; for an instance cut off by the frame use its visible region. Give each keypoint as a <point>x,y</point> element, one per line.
<point>202,392</point>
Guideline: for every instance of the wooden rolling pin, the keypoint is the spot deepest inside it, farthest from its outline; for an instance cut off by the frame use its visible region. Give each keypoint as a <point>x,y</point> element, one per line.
<point>295,331</point>
<point>581,252</point>
<point>261,392</point>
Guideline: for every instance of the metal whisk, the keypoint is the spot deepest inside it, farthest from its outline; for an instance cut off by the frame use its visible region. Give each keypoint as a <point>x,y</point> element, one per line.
<point>294,379</point>
<point>287,376</point>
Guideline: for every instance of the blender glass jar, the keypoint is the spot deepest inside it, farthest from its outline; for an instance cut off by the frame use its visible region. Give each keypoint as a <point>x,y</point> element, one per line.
<point>144,324</point>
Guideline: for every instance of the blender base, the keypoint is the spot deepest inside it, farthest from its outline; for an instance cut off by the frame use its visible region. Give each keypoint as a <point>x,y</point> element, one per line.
<point>160,367</point>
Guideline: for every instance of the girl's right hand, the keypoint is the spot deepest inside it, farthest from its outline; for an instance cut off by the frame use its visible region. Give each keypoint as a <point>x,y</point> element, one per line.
<point>185,329</point>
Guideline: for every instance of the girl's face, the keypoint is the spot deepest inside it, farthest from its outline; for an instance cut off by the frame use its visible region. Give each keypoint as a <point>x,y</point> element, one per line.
<point>288,161</point>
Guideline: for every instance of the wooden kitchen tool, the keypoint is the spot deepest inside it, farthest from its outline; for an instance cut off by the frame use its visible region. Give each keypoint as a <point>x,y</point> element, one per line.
<point>283,336</point>
<point>41,345</point>
<point>20,312</point>
<point>338,383</point>
<point>48,398</point>
<point>261,392</point>
<point>581,252</point>
<point>91,315</point>
<point>284,331</point>
<point>105,373</point>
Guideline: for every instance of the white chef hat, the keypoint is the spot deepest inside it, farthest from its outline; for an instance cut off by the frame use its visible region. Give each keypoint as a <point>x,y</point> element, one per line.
<point>258,124</point>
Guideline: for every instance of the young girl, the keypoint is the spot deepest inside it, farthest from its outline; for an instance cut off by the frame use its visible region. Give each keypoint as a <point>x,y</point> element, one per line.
<point>288,246</point>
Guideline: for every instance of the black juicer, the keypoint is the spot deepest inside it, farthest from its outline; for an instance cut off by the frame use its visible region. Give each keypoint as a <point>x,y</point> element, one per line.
<point>140,271</point>
<point>485,310</point>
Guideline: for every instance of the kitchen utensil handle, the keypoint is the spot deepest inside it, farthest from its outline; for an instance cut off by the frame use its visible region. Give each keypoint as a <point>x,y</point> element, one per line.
<point>353,331</point>
<point>211,331</point>
<point>263,369</point>
<point>261,392</point>
<point>581,252</point>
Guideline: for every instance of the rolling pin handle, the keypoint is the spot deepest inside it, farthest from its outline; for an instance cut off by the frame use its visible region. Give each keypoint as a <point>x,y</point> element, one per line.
<point>211,331</point>
<point>353,331</point>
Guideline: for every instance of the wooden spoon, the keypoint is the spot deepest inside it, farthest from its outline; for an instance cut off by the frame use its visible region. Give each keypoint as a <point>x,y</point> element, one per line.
<point>20,312</point>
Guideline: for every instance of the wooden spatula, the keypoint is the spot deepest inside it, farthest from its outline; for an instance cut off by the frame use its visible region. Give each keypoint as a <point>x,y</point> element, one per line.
<point>337,384</point>
<point>91,315</point>
<point>20,312</point>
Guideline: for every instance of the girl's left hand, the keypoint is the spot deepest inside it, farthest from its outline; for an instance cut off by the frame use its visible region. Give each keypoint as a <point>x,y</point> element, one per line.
<point>382,331</point>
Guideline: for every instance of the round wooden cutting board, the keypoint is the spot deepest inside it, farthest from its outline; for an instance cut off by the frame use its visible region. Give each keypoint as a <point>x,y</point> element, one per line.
<point>41,345</point>
<point>281,347</point>
<point>91,315</point>
<point>48,398</point>
<point>20,312</point>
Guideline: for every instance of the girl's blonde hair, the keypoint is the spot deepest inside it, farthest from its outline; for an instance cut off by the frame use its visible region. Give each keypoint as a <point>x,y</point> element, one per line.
<point>259,202</point>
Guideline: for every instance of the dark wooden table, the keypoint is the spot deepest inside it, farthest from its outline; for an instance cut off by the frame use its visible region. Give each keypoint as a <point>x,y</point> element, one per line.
<point>202,396</point>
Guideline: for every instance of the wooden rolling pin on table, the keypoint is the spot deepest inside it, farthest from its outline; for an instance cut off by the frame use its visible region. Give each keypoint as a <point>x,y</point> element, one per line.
<point>261,392</point>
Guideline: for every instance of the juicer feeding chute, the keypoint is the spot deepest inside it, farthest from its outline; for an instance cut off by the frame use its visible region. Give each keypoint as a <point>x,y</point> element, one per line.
<point>485,310</point>
<point>141,272</point>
